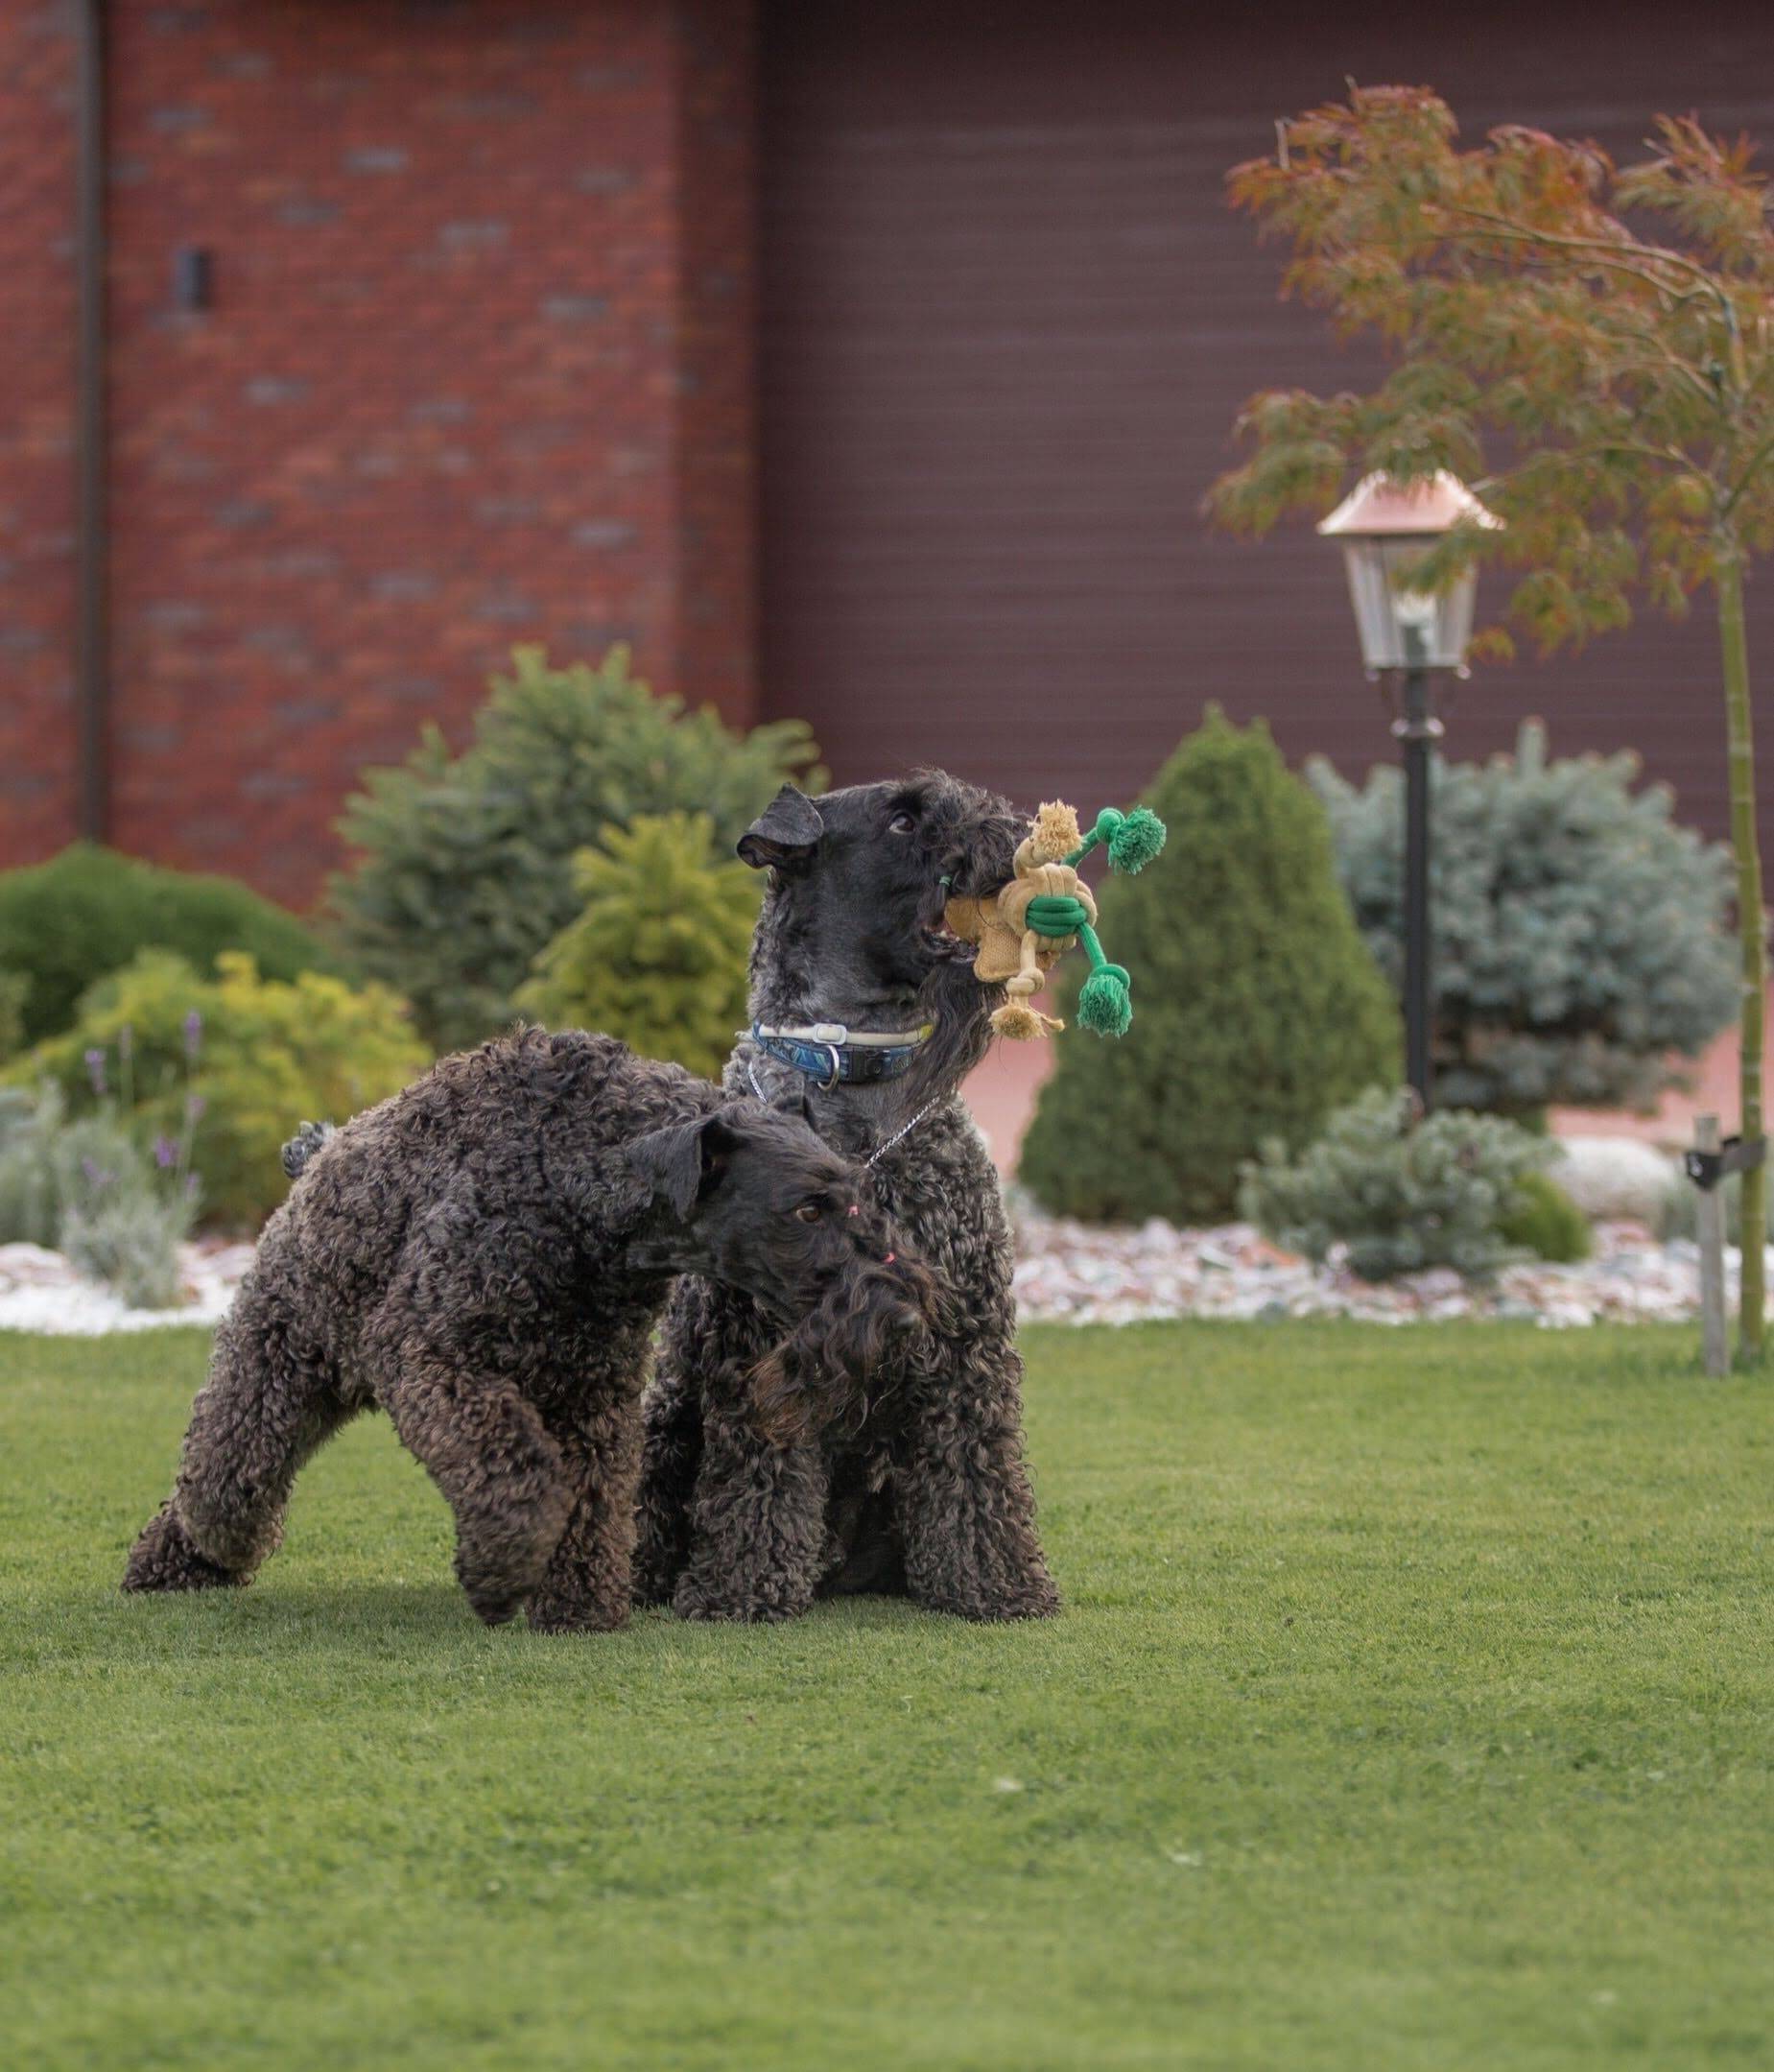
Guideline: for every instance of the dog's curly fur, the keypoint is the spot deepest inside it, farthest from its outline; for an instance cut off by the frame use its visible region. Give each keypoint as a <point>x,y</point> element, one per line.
<point>921,1488</point>
<point>484,1257</point>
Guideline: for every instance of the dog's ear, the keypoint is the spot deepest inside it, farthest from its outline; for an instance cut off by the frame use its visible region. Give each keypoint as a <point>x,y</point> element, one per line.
<point>785,834</point>
<point>796,1101</point>
<point>681,1163</point>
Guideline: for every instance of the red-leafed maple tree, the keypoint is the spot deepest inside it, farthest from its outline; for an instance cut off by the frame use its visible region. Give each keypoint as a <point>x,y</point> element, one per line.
<point>1592,346</point>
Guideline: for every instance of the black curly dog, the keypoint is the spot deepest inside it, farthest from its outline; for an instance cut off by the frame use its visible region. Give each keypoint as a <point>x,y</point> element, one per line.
<point>919,1486</point>
<point>485,1256</point>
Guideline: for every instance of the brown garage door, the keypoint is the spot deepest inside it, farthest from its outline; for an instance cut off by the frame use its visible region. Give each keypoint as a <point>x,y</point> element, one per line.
<point>1007,323</point>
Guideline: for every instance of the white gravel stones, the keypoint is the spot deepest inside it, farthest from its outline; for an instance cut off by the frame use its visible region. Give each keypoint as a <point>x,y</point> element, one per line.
<point>1070,1273</point>
<point>39,1290</point>
<point>1073,1272</point>
<point>1617,1178</point>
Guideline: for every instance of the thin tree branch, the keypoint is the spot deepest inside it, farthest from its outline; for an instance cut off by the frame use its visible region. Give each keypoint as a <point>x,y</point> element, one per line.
<point>1604,250</point>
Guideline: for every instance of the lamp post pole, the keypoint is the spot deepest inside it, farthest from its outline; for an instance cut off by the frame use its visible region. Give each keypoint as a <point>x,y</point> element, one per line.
<point>1416,728</point>
<point>1408,634</point>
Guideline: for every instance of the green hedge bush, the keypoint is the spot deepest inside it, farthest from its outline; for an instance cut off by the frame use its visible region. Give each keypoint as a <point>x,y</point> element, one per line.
<point>657,953</point>
<point>464,867</point>
<point>257,1055</point>
<point>1542,1219</point>
<point>1400,1195</point>
<point>1257,1009</point>
<point>88,910</point>
<point>1580,935</point>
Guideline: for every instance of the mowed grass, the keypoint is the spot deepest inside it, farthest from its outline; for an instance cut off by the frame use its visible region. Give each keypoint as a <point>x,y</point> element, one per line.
<point>1414,1707</point>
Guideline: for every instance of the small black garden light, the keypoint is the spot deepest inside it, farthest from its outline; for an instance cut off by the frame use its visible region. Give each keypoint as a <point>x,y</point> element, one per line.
<point>1409,635</point>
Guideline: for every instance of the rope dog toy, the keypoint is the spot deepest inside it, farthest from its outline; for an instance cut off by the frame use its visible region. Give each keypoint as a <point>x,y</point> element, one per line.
<point>1024,927</point>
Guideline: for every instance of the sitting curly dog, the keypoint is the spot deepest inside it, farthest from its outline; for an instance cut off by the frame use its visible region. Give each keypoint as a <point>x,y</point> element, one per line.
<point>484,1257</point>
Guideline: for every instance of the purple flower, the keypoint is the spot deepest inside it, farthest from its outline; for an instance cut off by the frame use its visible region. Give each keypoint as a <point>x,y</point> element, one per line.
<point>194,1034</point>
<point>195,1105</point>
<point>192,1183</point>
<point>166,1152</point>
<point>95,1070</point>
<point>96,1175</point>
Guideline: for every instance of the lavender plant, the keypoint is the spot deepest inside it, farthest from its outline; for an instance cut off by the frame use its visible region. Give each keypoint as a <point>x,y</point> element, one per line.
<point>85,1187</point>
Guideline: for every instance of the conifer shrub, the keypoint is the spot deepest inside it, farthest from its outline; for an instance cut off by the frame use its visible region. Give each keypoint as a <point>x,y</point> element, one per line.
<point>1542,1219</point>
<point>235,1058</point>
<point>464,871</point>
<point>1580,936</point>
<point>1400,1195</point>
<point>88,910</point>
<point>657,952</point>
<point>1257,1009</point>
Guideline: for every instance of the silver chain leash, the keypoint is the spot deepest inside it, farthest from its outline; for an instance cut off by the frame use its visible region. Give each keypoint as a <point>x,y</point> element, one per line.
<point>880,1149</point>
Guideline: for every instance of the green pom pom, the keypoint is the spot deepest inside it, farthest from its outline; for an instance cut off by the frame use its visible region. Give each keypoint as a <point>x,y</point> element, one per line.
<point>1105,1004</point>
<point>1136,840</point>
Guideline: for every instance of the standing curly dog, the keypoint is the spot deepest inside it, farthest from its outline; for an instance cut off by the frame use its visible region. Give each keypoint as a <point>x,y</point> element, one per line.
<point>860,995</point>
<point>484,1257</point>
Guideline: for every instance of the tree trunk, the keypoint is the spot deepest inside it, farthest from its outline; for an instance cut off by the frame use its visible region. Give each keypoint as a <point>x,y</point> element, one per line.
<point>1739,737</point>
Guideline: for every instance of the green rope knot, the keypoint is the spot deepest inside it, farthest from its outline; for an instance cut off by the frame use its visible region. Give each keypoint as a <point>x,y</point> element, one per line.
<point>1056,913</point>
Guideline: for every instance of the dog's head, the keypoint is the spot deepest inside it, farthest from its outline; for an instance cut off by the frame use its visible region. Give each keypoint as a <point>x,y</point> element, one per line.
<point>852,929</point>
<point>749,1194</point>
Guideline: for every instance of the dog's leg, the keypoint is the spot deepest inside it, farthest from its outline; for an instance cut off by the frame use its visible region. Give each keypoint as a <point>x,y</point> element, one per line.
<point>670,1453</point>
<point>758,1541</point>
<point>499,1471</point>
<point>589,1576</point>
<point>269,1402</point>
<point>966,1511</point>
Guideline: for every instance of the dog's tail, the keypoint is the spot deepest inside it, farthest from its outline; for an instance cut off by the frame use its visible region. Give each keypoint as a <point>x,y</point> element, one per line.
<point>304,1145</point>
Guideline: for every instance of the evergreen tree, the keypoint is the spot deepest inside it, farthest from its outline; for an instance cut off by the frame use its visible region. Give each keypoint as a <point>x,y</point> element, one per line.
<point>1257,1009</point>
<point>657,954</point>
<point>463,873</point>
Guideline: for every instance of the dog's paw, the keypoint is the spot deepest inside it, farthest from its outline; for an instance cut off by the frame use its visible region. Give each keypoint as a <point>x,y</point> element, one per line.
<point>560,1618</point>
<point>1033,1601</point>
<point>493,1603</point>
<point>712,1608</point>
<point>166,1557</point>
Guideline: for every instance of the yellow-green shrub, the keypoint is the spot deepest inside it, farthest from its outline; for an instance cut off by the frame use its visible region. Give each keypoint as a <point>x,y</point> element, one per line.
<point>257,1054</point>
<point>657,954</point>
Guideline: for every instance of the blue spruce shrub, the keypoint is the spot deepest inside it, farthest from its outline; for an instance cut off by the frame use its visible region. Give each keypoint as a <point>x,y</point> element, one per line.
<point>1579,933</point>
<point>1400,1195</point>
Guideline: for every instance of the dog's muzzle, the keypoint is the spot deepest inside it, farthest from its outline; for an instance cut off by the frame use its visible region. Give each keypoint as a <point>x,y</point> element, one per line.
<point>824,1373</point>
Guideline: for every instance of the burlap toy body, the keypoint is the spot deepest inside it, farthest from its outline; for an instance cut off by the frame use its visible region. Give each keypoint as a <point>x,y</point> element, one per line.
<point>1025,926</point>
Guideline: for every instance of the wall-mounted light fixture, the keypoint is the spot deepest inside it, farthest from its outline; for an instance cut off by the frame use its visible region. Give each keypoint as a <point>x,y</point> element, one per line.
<point>194,278</point>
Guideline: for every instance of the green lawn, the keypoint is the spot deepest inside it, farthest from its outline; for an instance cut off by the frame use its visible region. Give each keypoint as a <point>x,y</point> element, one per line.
<point>1414,1707</point>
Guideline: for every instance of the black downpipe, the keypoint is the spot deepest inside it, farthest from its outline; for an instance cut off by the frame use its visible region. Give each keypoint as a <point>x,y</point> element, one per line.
<point>92,555</point>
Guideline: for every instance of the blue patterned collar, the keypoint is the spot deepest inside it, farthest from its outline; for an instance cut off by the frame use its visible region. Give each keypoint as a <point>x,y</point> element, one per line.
<point>831,1055</point>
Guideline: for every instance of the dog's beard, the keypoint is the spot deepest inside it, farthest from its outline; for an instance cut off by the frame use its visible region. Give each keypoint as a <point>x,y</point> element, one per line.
<point>821,1377</point>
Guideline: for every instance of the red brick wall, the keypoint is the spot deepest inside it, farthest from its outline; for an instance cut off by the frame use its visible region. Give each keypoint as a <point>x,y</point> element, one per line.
<point>36,416</point>
<point>468,380</point>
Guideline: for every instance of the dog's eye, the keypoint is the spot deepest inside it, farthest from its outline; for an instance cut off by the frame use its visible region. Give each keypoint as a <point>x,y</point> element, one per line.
<point>808,1212</point>
<point>903,823</point>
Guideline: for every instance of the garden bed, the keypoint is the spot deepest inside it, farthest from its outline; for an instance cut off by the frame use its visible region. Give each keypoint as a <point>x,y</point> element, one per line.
<point>1073,1273</point>
<point>1069,1273</point>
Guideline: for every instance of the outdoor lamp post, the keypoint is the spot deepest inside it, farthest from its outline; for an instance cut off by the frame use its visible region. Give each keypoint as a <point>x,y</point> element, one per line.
<point>1408,637</point>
